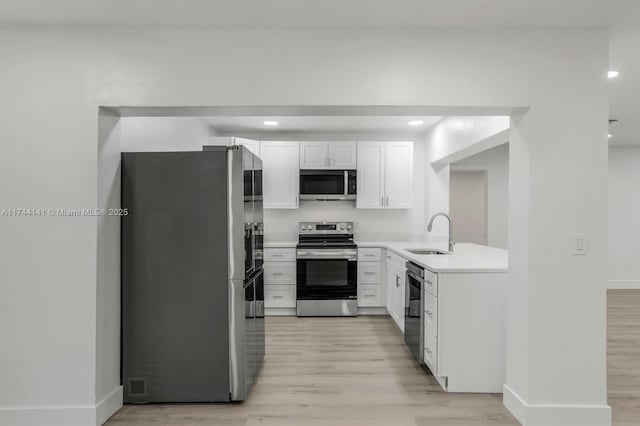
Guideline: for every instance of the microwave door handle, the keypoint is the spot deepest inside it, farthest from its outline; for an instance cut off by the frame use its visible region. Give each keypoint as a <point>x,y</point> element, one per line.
<point>346,183</point>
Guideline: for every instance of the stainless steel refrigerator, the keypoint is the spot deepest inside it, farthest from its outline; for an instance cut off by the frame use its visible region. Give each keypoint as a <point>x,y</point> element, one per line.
<point>192,275</point>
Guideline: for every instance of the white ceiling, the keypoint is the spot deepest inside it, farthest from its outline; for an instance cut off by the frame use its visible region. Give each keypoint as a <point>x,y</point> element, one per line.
<point>375,14</point>
<point>334,125</point>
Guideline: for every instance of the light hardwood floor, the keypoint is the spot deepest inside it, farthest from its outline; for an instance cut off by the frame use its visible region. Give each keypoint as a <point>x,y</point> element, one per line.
<point>357,372</point>
<point>623,356</point>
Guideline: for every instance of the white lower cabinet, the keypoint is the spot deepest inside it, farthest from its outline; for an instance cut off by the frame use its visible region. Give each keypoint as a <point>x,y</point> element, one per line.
<point>370,288</point>
<point>395,283</point>
<point>464,330</point>
<point>279,279</point>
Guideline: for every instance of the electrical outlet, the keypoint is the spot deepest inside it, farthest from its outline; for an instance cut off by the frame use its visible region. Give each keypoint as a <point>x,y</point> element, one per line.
<point>580,245</point>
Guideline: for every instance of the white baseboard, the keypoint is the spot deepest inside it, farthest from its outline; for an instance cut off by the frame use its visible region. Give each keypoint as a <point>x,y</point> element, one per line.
<point>623,284</point>
<point>76,415</point>
<point>555,415</point>
<point>274,312</point>
<point>48,416</point>
<point>108,406</point>
<point>373,311</point>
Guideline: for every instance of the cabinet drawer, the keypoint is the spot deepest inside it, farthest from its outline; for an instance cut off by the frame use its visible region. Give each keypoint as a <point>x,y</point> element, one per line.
<point>430,346</point>
<point>369,273</point>
<point>369,254</point>
<point>279,296</point>
<point>279,254</point>
<point>280,273</point>
<point>431,282</point>
<point>431,312</point>
<point>369,295</point>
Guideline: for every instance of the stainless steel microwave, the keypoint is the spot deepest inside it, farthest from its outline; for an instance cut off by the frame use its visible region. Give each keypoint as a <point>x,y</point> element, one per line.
<point>327,185</point>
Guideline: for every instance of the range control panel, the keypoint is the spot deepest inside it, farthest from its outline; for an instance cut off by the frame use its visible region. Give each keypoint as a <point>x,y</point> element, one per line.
<point>325,228</point>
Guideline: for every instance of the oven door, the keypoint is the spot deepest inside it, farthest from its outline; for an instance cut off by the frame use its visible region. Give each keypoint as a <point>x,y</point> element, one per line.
<point>326,274</point>
<point>327,185</point>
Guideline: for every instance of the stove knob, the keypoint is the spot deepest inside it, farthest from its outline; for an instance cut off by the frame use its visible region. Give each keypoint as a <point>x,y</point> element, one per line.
<point>342,227</point>
<point>349,227</point>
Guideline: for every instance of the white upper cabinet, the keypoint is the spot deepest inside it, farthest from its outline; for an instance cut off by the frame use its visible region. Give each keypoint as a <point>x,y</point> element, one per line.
<point>398,175</point>
<point>328,155</point>
<point>370,176</point>
<point>385,175</point>
<point>281,175</point>
<point>342,155</point>
<point>314,155</point>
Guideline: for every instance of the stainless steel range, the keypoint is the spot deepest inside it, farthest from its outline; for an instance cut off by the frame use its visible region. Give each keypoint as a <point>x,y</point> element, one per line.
<point>327,269</point>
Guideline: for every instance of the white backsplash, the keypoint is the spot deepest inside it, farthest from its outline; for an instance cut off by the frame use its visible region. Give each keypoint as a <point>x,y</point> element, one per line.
<point>370,225</point>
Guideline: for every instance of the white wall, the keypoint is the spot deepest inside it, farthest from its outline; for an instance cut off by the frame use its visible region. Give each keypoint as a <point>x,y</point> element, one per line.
<point>164,134</point>
<point>55,78</point>
<point>377,225</point>
<point>496,162</point>
<point>624,216</point>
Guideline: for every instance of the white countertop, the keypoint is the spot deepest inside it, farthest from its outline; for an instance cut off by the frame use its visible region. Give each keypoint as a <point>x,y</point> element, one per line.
<point>465,257</point>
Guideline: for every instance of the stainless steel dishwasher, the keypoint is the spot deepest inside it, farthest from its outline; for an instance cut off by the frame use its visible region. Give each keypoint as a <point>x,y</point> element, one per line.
<point>413,311</point>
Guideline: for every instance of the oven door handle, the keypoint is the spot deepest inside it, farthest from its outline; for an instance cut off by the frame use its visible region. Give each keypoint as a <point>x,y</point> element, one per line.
<point>325,255</point>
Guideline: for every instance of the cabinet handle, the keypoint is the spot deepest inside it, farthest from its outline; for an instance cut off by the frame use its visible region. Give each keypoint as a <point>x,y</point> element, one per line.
<point>369,273</point>
<point>369,255</point>
<point>429,282</point>
<point>278,297</point>
<point>297,202</point>
<point>369,295</point>
<point>430,313</point>
<point>387,201</point>
<point>277,255</point>
<point>397,281</point>
<point>382,201</point>
<point>428,350</point>
<point>278,273</point>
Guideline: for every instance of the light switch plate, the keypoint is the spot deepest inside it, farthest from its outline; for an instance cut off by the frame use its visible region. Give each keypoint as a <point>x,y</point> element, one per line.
<point>580,244</point>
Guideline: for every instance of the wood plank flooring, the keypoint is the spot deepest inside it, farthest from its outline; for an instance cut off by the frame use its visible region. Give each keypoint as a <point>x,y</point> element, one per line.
<point>623,356</point>
<point>357,372</point>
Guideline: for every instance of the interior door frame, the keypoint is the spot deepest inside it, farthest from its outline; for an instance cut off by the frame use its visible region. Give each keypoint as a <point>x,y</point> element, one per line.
<point>485,171</point>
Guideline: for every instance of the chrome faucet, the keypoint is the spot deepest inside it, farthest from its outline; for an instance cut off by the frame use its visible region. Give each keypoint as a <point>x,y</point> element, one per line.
<point>430,227</point>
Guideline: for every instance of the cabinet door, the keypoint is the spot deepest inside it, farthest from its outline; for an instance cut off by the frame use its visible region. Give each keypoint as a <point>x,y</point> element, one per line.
<point>314,155</point>
<point>398,175</point>
<point>370,177</point>
<point>281,174</point>
<point>342,155</point>
<point>399,296</point>
<point>254,146</point>
<point>390,283</point>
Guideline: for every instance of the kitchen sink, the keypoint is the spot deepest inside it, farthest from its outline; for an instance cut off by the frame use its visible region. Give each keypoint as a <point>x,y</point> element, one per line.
<point>427,251</point>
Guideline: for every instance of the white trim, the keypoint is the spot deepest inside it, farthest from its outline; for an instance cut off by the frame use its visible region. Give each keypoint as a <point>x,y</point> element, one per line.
<point>276,312</point>
<point>48,416</point>
<point>623,284</point>
<point>555,415</point>
<point>70,415</point>
<point>373,310</point>
<point>108,406</point>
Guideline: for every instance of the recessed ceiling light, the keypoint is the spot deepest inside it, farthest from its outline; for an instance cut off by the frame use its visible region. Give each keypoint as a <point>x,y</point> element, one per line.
<point>610,135</point>
<point>416,123</point>
<point>270,123</point>
<point>613,74</point>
